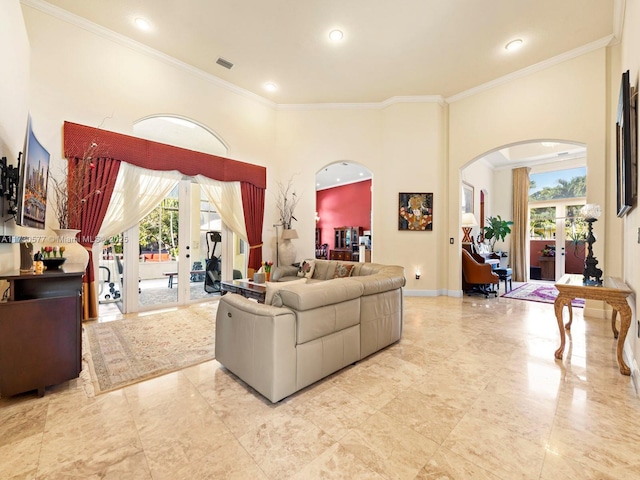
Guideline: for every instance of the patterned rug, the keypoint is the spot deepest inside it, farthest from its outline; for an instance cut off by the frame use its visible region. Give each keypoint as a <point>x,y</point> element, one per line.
<point>539,292</point>
<point>143,346</point>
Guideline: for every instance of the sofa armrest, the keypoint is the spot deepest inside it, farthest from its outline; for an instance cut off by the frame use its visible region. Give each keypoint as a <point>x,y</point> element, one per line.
<point>257,343</point>
<point>285,271</point>
<point>320,294</point>
<point>380,282</point>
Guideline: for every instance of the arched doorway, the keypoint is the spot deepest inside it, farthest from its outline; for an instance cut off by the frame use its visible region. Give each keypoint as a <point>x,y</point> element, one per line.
<point>491,174</point>
<point>343,211</point>
<point>146,262</point>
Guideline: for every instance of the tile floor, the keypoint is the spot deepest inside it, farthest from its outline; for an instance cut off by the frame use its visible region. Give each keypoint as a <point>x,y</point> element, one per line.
<point>471,391</point>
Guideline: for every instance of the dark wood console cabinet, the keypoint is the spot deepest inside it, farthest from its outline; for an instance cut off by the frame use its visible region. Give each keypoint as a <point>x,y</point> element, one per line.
<point>40,330</point>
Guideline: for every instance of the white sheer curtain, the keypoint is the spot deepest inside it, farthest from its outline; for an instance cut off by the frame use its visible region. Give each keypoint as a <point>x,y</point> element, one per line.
<point>136,193</point>
<point>227,198</point>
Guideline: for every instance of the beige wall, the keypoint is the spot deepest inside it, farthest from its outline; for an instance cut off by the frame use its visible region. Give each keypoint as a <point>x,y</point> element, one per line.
<point>564,102</point>
<point>481,176</point>
<point>402,144</point>
<point>85,78</point>
<point>14,107</point>
<point>630,59</point>
<point>409,145</point>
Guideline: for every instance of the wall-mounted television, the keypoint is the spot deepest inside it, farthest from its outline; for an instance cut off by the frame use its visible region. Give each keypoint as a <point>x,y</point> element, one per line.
<point>626,153</point>
<point>32,187</point>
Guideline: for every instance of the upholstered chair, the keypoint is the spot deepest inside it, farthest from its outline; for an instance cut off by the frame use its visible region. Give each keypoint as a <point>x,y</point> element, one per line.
<point>478,277</point>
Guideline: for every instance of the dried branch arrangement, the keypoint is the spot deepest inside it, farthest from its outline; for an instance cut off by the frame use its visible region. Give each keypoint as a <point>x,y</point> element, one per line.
<point>286,202</point>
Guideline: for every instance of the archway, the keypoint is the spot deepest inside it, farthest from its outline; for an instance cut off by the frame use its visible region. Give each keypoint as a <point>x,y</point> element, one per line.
<point>491,173</point>
<point>176,228</point>
<point>343,211</point>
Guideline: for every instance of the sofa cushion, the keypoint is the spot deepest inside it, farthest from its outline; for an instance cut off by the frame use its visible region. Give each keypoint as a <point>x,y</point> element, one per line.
<point>343,270</point>
<point>306,268</point>
<point>273,287</point>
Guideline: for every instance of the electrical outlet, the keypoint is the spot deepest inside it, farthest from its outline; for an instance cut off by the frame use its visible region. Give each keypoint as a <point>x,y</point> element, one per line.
<point>451,239</point>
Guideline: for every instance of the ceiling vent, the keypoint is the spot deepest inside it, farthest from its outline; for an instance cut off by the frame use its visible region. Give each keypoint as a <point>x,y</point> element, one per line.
<point>224,63</point>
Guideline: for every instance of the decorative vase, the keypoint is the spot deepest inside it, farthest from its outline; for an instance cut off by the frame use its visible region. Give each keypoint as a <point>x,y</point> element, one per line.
<point>286,253</point>
<point>286,248</point>
<point>74,252</point>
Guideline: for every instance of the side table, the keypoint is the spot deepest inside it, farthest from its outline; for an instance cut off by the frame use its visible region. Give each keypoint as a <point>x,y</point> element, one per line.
<point>613,291</point>
<point>505,275</point>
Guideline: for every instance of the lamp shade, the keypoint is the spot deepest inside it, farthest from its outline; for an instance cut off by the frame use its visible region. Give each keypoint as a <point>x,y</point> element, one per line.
<point>590,211</point>
<point>469,220</point>
<point>289,234</point>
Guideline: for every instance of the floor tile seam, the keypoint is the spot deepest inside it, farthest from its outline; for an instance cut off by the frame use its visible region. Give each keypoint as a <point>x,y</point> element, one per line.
<point>376,410</point>
<point>137,426</point>
<point>442,447</point>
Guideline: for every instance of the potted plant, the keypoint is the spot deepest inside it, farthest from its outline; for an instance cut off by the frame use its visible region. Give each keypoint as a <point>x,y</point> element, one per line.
<point>496,229</point>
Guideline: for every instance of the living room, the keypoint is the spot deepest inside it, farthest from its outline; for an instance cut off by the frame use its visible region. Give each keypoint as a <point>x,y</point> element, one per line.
<point>60,68</point>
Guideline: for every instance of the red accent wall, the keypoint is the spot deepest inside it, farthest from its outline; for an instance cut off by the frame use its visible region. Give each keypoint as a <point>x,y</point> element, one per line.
<point>345,206</point>
<point>573,260</point>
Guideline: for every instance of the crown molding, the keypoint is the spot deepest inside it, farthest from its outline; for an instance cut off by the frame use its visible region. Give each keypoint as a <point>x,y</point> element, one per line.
<point>68,17</point>
<point>619,8</point>
<point>96,29</point>
<point>364,106</point>
<point>563,57</point>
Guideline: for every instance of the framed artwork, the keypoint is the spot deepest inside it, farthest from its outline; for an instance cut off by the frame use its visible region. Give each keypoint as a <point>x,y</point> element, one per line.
<point>467,197</point>
<point>415,211</point>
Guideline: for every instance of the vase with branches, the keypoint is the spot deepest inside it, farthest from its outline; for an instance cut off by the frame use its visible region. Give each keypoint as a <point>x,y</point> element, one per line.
<point>286,202</point>
<point>72,191</point>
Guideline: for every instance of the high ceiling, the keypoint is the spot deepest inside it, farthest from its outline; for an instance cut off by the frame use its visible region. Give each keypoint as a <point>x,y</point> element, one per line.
<point>389,49</point>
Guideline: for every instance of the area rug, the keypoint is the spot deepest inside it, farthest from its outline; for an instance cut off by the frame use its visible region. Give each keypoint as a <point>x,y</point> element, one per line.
<point>140,347</point>
<point>538,292</point>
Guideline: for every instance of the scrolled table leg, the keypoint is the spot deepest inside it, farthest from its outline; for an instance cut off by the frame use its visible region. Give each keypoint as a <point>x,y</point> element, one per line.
<point>558,305</point>
<point>614,314</point>
<point>625,323</point>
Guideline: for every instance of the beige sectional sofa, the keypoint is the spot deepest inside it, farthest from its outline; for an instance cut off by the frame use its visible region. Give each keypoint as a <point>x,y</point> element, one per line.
<point>320,327</point>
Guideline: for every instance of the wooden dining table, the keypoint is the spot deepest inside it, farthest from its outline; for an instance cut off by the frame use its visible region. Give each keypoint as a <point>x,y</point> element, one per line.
<point>613,290</point>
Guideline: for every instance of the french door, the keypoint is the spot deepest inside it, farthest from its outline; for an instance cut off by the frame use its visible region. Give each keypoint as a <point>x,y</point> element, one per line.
<point>165,255</point>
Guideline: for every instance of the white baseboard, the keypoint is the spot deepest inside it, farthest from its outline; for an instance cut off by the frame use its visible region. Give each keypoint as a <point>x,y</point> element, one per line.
<point>422,293</point>
<point>633,365</point>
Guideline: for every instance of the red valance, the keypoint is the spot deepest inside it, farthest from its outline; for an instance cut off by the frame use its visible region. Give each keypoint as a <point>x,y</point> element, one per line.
<point>158,156</point>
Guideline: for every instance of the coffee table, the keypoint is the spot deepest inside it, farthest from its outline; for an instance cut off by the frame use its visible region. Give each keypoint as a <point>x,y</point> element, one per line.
<point>247,289</point>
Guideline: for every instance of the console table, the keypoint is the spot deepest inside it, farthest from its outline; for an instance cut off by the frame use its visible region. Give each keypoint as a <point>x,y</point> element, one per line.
<point>613,291</point>
<point>41,330</point>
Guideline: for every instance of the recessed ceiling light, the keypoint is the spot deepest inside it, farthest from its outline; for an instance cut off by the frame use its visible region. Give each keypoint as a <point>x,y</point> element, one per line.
<point>270,87</point>
<point>336,35</point>
<point>514,44</point>
<point>143,24</point>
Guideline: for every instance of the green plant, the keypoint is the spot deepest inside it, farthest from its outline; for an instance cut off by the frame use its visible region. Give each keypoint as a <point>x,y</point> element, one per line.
<point>496,229</point>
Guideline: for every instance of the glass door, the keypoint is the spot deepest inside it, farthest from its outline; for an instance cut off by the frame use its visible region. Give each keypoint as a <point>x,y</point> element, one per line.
<point>158,261</point>
<point>542,243</point>
<point>575,235</point>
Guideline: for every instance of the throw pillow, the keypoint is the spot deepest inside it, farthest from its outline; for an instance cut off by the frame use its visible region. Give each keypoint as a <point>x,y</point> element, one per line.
<point>273,287</point>
<point>306,268</point>
<point>276,301</point>
<point>343,271</point>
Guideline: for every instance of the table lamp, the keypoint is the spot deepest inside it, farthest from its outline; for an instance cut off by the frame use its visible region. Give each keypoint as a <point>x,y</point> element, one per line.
<point>468,222</point>
<point>592,275</point>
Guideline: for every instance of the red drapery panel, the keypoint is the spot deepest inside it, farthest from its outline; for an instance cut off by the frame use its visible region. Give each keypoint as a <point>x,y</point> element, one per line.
<point>99,180</point>
<point>158,156</point>
<point>253,206</point>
